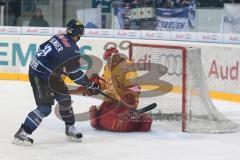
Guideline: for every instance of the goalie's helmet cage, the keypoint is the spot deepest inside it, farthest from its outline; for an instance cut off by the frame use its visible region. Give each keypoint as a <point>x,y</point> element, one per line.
<point>74,27</point>
<point>109,52</point>
<point>188,105</point>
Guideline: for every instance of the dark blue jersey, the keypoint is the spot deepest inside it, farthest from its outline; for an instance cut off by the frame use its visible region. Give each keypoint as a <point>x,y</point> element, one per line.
<point>59,52</point>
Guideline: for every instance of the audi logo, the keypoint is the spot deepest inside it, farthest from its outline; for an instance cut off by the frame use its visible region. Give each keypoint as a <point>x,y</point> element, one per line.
<point>173,62</point>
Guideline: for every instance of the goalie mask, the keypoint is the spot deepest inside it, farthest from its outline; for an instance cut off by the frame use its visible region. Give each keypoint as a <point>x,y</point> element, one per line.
<point>112,56</point>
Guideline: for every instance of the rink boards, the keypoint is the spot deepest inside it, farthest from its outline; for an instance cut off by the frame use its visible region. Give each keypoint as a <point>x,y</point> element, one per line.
<point>220,61</point>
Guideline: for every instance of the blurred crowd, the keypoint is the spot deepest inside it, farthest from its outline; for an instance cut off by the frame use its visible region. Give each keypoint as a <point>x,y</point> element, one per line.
<point>149,23</point>
<point>36,13</point>
<point>24,13</point>
<point>172,3</point>
<point>153,3</point>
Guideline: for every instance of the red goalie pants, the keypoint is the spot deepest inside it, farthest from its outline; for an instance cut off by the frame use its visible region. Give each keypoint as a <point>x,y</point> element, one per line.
<point>119,118</point>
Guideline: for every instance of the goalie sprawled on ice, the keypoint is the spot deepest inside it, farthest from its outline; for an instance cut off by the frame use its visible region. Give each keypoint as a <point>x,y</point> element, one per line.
<point>115,81</point>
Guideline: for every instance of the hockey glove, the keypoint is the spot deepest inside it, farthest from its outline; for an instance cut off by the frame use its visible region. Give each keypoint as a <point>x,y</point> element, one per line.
<point>96,78</point>
<point>93,89</point>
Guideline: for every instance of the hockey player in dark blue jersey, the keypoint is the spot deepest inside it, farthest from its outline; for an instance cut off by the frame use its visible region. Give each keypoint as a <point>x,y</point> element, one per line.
<point>57,56</point>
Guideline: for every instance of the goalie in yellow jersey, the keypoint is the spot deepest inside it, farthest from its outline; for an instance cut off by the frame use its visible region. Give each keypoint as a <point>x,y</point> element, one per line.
<point>116,82</point>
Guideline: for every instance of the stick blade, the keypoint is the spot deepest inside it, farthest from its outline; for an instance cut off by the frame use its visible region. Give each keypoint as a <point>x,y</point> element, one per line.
<point>147,108</point>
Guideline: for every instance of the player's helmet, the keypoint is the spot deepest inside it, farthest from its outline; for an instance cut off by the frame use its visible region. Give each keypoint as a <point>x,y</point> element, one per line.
<point>74,27</point>
<point>109,52</point>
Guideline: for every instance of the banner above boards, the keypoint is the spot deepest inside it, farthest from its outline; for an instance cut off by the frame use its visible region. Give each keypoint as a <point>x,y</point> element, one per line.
<point>231,18</point>
<point>176,19</point>
<point>129,34</point>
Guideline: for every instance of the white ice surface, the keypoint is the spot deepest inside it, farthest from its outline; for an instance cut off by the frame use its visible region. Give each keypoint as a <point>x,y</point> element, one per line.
<point>16,101</point>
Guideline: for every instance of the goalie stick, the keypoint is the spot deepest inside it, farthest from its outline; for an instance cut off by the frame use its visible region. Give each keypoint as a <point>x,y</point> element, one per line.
<point>147,108</point>
<point>142,110</point>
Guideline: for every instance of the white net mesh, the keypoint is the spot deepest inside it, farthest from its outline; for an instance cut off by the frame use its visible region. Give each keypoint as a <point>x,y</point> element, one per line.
<point>160,66</point>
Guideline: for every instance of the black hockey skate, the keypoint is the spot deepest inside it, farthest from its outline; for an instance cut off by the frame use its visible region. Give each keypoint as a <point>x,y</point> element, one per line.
<point>72,133</point>
<point>21,138</point>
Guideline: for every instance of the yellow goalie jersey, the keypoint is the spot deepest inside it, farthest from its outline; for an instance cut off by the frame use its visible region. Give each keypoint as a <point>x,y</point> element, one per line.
<point>118,80</point>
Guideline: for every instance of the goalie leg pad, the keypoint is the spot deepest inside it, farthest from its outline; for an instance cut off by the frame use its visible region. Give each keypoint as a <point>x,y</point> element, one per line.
<point>106,115</point>
<point>112,122</point>
<point>146,123</point>
<point>112,118</point>
<point>93,116</point>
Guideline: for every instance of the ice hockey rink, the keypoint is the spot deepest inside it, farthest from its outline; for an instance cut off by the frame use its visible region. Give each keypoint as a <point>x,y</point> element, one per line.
<point>161,143</point>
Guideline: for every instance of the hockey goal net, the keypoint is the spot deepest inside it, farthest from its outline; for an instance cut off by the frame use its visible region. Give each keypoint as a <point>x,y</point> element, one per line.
<point>173,77</point>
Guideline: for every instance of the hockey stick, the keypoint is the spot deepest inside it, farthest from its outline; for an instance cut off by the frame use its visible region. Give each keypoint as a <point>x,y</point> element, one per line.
<point>142,110</point>
<point>77,91</point>
<point>81,90</point>
<point>147,108</point>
